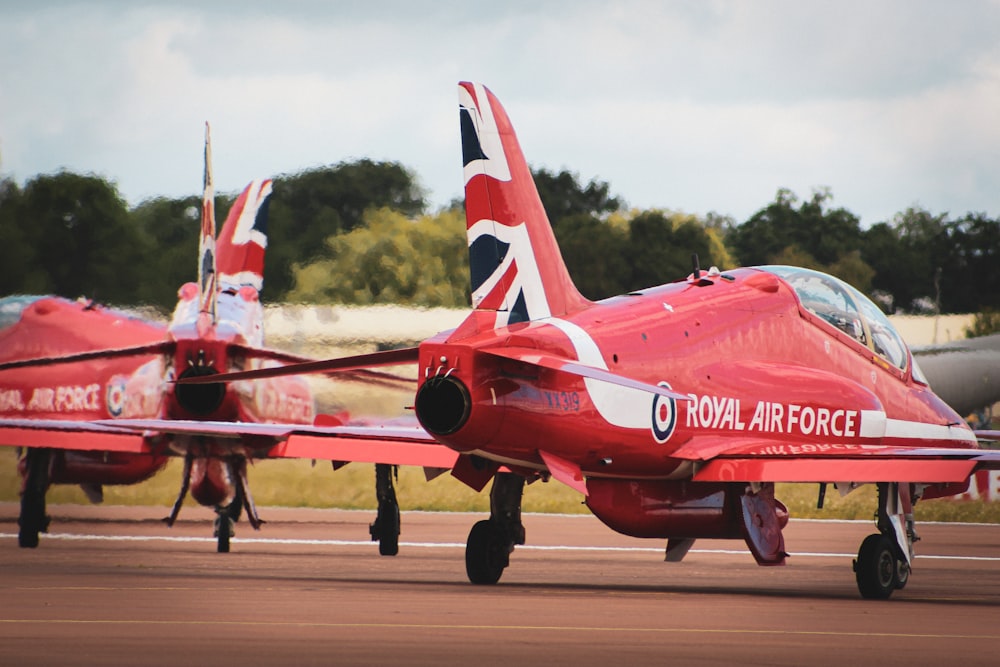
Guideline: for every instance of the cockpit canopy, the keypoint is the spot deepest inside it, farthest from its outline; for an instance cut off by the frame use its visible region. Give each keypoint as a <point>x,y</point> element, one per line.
<point>848,310</point>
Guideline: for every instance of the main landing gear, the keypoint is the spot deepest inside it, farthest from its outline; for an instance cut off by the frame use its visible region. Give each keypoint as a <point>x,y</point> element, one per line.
<point>226,515</point>
<point>385,530</point>
<point>492,540</point>
<point>883,562</point>
<point>33,519</point>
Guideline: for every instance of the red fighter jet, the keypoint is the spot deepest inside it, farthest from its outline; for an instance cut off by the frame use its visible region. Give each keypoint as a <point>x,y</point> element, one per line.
<point>89,414</point>
<point>673,409</point>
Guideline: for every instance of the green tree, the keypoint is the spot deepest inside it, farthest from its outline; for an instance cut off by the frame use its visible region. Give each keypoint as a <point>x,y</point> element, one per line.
<point>906,254</point>
<point>851,268</point>
<point>596,254</point>
<point>593,247</point>
<point>308,207</point>
<point>970,278</point>
<point>391,259</point>
<point>808,234</point>
<point>170,228</point>
<point>826,234</point>
<point>563,195</point>
<point>21,271</point>
<point>661,245</point>
<point>84,242</point>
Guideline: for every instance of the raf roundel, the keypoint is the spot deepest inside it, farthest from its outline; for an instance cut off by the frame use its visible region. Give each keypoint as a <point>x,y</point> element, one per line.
<point>115,395</point>
<point>664,416</point>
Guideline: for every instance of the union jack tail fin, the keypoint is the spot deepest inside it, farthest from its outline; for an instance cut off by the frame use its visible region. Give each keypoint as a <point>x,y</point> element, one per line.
<point>243,238</point>
<point>207,286</point>
<point>517,269</point>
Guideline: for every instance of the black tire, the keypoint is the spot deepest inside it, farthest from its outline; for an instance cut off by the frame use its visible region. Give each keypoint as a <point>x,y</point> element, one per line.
<point>27,538</point>
<point>32,519</point>
<point>486,553</point>
<point>876,568</point>
<point>223,531</point>
<point>387,525</point>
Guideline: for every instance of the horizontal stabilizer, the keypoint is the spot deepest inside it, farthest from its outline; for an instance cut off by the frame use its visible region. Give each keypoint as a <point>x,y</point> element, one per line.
<point>363,375</point>
<point>535,358</point>
<point>387,358</point>
<point>280,356</point>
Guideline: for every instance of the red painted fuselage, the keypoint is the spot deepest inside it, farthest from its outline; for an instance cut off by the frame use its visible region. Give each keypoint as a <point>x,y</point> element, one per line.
<point>90,390</point>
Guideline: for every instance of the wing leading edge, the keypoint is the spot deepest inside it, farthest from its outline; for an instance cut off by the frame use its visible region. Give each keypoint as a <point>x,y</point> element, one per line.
<point>390,444</point>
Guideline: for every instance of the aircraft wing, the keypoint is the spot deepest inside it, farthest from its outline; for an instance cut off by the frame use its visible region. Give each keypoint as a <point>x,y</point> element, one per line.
<point>755,461</point>
<point>68,434</point>
<point>369,443</point>
<point>391,443</point>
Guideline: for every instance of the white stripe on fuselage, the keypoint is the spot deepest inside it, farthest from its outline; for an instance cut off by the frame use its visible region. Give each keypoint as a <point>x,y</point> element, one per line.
<point>631,408</point>
<point>619,406</point>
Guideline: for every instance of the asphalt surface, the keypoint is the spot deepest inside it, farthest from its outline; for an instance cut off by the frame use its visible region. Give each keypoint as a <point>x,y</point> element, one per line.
<point>113,586</point>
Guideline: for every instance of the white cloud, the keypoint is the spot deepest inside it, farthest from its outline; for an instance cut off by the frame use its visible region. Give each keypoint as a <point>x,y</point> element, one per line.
<point>688,105</point>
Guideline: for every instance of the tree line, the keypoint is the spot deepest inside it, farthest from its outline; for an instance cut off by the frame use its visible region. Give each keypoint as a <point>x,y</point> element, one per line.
<point>360,232</point>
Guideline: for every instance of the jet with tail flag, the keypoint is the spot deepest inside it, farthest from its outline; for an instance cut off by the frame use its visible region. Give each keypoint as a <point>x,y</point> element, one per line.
<point>674,410</point>
<point>88,393</point>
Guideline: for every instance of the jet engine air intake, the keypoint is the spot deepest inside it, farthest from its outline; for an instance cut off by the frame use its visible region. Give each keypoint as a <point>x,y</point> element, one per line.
<point>443,405</point>
<point>199,399</point>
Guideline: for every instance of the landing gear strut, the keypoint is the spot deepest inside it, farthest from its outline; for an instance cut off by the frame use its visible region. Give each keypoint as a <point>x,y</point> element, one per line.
<point>491,541</point>
<point>883,562</point>
<point>33,519</point>
<point>225,521</point>
<point>226,515</point>
<point>242,500</point>
<point>385,530</point>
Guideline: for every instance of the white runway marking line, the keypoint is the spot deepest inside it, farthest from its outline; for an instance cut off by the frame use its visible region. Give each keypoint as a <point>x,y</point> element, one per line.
<point>447,545</point>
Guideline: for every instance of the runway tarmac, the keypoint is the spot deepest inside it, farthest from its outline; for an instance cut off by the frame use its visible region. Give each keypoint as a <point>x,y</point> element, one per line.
<point>113,586</point>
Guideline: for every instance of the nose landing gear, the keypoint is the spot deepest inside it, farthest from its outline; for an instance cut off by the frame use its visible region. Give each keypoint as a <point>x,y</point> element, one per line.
<point>883,562</point>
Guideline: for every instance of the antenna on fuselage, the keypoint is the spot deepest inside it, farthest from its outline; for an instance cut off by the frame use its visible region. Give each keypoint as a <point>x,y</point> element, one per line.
<point>696,268</point>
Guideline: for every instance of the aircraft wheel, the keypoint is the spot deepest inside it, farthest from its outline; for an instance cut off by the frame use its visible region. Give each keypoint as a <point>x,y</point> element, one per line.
<point>223,531</point>
<point>876,568</point>
<point>32,519</point>
<point>31,522</point>
<point>27,538</point>
<point>902,573</point>
<point>486,553</point>
<point>387,531</point>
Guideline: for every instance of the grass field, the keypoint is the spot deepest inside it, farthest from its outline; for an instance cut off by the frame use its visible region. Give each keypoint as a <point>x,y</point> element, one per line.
<point>282,483</point>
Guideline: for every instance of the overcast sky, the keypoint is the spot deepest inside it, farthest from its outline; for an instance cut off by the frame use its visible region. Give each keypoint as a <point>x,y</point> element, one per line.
<point>695,106</point>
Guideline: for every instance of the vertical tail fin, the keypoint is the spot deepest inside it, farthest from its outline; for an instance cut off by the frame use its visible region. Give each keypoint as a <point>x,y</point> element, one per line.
<point>207,287</point>
<point>243,238</point>
<point>517,269</point>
